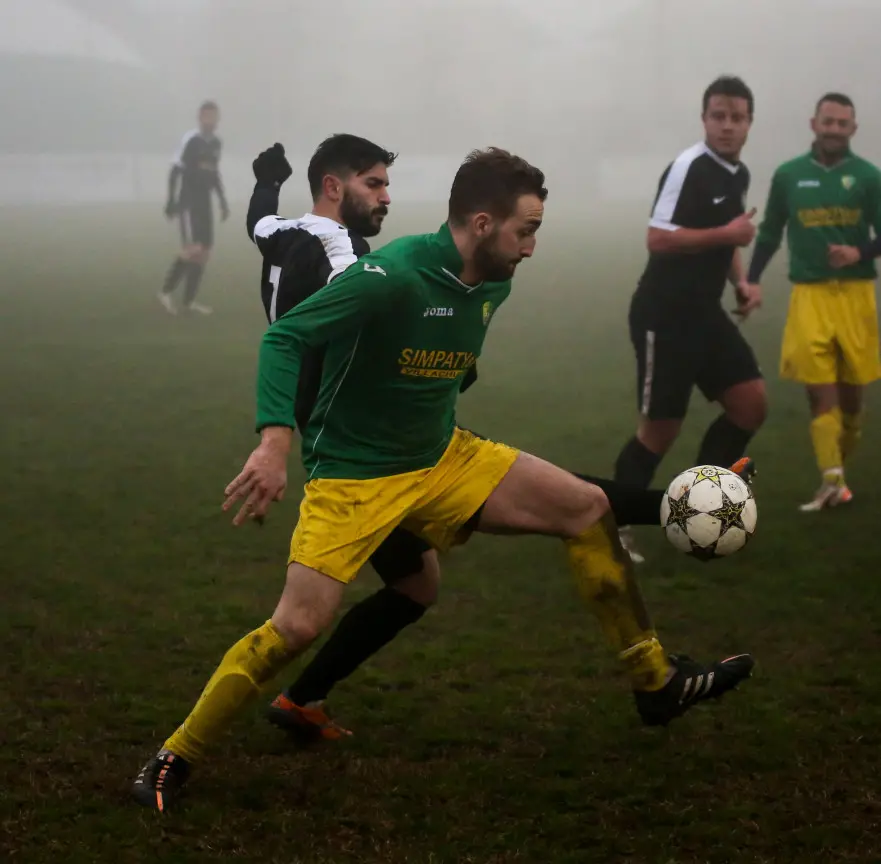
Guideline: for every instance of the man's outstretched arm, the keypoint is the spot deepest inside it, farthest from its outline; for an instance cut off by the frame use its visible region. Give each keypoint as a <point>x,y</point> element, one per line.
<point>271,169</point>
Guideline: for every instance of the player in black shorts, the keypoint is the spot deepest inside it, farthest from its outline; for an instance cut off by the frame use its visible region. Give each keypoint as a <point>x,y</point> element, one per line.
<point>682,335</point>
<point>196,170</point>
<point>348,179</point>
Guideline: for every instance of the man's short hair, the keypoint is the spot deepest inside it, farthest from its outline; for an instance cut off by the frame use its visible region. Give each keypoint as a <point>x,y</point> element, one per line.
<point>343,155</point>
<point>732,87</point>
<point>208,105</point>
<point>837,98</point>
<point>492,181</point>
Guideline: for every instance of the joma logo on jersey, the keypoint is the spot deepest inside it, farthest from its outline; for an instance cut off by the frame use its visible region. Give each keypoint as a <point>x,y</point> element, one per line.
<point>417,362</point>
<point>438,312</point>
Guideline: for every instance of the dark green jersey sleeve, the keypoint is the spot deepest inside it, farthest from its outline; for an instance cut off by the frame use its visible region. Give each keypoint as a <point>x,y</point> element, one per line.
<point>336,312</point>
<point>873,203</point>
<point>776,215</point>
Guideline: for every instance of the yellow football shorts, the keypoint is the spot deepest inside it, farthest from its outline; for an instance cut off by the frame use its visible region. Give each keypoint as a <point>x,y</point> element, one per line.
<point>831,334</point>
<point>343,522</point>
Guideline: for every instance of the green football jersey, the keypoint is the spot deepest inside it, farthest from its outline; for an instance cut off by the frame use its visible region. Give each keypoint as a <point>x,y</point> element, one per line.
<point>401,330</point>
<point>819,205</point>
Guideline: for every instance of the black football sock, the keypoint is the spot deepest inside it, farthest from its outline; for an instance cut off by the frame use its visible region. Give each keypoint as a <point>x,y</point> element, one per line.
<point>362,631</point>
<point>630,505</point>
<point>194,277</point>
<point>636,465</point>
<point>175,274</point>
<point>723,444</point>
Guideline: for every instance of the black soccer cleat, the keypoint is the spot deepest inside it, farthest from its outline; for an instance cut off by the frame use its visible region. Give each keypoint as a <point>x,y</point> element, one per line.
<point>690,684</point>
<point>160,782</point>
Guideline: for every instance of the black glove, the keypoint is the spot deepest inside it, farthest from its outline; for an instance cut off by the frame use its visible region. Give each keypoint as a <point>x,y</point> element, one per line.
<point>171,209</point>
<point>271,168</point>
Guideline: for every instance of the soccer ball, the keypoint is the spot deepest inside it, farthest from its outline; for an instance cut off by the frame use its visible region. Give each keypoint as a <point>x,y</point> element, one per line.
<point>708,512</point>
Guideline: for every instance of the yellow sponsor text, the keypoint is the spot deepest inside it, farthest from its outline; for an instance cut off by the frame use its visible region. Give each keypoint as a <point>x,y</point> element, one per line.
<point>830,217</point>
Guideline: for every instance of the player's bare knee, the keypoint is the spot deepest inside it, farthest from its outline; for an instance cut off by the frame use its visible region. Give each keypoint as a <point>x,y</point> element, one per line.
<point>850,398</point>
<point>297,629</point>
<point>424,586</point>
<point>592,507</point>
<point>307,606</point>
<point>658,436</point>
<point>746,405</point>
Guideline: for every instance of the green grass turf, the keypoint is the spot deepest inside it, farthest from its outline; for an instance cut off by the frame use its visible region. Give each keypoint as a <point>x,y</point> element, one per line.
<point>498,729</point>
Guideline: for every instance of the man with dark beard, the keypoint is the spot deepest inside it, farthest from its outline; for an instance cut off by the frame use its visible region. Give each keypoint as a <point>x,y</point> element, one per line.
<point>348,179</point>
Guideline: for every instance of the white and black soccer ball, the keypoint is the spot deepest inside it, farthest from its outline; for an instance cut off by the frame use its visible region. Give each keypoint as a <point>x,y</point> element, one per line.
<point>708,512</point>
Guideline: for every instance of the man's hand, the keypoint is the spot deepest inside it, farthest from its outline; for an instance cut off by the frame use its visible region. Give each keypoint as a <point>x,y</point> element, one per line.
<point>749,298</point>
<point>271,168</point>
<point>224,211</point>
<point>843,256</point>
<point>264,477</point>
<point>171,209</point>
<point>740,231</point>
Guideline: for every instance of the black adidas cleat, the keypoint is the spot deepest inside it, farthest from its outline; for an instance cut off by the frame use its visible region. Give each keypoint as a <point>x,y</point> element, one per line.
<point>160,782</point>
<point>690,684</point>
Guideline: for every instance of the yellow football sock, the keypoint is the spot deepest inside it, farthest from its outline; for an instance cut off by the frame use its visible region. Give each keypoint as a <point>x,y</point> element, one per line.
<point>851,432</point>
<point>826,434</point>
<point>247,666</point>
<point>604,575</point>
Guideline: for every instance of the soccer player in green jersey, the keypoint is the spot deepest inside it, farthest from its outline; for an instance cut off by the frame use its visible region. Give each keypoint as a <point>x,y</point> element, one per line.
<point>828,201</point>
<point>401,327</point>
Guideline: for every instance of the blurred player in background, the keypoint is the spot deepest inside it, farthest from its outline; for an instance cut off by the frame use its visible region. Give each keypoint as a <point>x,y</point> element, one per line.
<point>682,336</point>
<point>828,200</point>
<point>194,176</point>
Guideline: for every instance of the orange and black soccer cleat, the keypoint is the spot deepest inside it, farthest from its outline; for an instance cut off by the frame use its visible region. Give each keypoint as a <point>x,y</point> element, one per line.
<point>309,723</point>
<point>745,468</point>
<point>160,781</point>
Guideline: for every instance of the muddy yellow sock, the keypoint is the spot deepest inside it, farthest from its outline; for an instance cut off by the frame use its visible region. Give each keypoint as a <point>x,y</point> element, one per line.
<point>826,434</point>
<point>252,662</point>
<point>604,575</point>
<point>851,432</point>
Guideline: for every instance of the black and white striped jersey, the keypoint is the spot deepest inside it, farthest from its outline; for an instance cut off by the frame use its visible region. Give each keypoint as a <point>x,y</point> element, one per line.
<point>300,256</point>
<point>699,190</point>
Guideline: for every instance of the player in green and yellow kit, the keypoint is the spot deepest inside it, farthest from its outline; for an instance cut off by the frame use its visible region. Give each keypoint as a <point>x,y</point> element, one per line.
<point>402,326</point>
<point>829,202</point>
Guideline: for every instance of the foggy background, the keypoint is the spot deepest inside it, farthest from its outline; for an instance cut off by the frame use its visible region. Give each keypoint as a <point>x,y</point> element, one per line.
<point>601,94</point>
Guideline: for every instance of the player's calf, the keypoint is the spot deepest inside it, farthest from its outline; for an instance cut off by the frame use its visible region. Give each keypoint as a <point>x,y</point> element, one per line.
<point>537,497</point>
<point>308,604</point>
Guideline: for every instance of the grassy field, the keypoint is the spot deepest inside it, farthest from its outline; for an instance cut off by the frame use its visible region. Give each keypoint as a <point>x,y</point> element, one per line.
<point>498,729</point>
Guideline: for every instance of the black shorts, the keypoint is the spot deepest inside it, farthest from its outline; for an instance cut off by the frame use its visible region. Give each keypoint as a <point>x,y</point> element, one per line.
<point>197,226</point>
<point>400,555</point>
<point>675,355</point>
